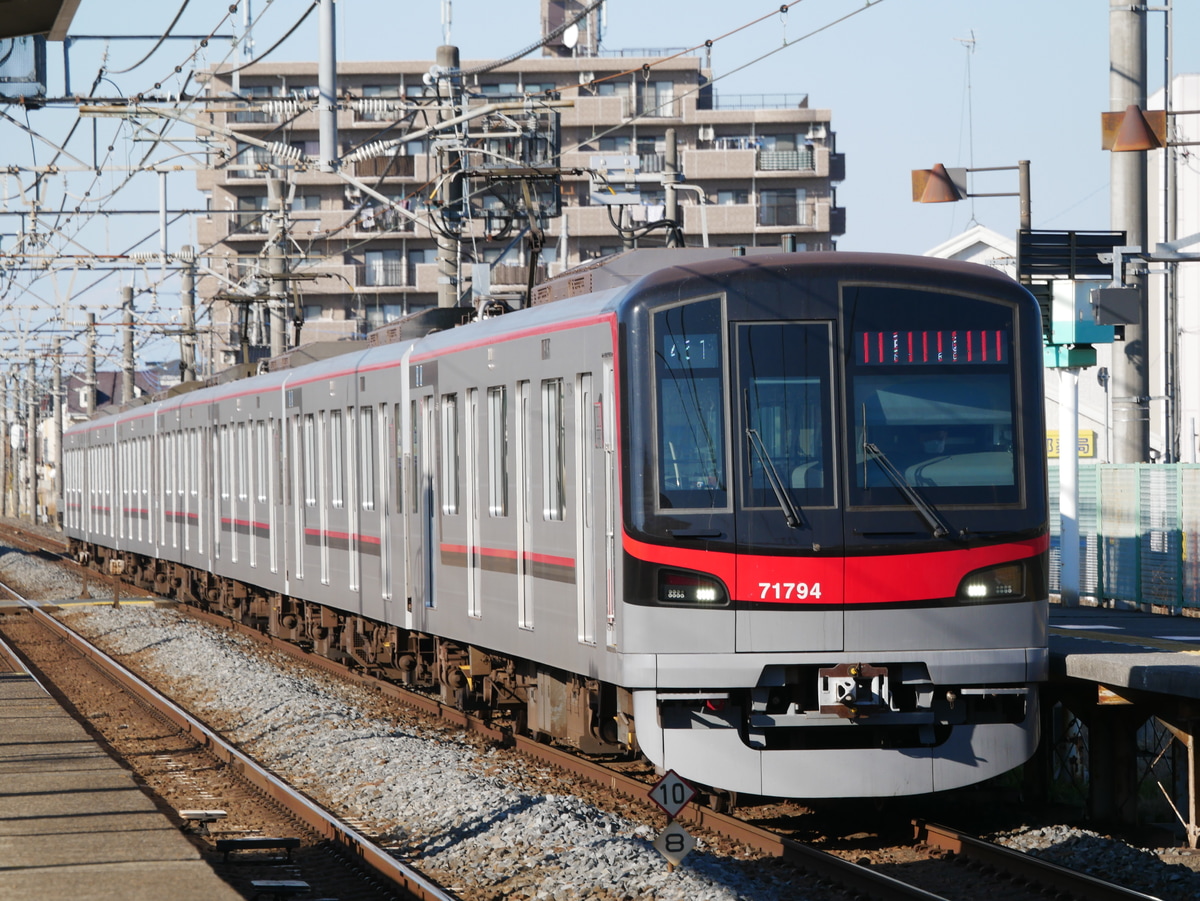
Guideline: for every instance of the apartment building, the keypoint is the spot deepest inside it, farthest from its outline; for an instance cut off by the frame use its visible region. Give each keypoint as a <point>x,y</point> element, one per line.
<point>755,170</point>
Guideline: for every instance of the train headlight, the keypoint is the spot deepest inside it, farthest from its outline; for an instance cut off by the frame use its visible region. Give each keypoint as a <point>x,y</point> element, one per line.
<point>997,583</point>
<point>690,589</point>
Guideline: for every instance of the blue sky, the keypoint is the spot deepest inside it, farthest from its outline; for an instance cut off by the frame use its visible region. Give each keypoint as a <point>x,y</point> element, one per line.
<point>894,75</point>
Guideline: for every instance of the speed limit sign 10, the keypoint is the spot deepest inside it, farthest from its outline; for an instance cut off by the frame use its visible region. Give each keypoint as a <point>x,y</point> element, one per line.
<point>672,794</point>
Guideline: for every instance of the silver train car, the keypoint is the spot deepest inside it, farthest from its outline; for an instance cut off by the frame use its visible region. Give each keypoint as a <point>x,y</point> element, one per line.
<point>778,521</point>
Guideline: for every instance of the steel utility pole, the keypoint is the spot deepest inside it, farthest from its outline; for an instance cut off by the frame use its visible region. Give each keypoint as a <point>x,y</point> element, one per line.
<point>451,185</point>
<point>669,178</point>
<point>277,297</point>
<point>127,357</point>
<point>187,304</point>
<point>1130,363</point>
<point>31,479</point>
<point>327,88</point>
<point>57,496</point>
<point>89,369</point>
<point>5,455</point>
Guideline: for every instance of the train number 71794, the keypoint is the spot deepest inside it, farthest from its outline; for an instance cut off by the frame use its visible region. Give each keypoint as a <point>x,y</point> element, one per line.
<point>788,591</point>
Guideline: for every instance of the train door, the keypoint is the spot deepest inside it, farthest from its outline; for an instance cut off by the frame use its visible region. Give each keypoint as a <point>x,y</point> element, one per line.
<point>274,466</point>
<point>221,496</point>
<point>523,449</point>
<point>383,444</point>
<point>295,466</point>
<point>789,527</point>
<point>609,426</point>
<point>471,503</point>
<point>371,423</point>
<point>585,514</point>
<point>406,449</point>
<point>430,499</point>
<point>422,506</point>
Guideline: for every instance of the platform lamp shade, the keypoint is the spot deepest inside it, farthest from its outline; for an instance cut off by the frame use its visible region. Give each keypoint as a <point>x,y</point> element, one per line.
<point>1134,129</point>
<point>934,186</point>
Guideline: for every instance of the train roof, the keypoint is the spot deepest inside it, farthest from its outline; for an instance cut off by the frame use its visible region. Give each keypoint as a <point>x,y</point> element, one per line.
<point>594,290</point>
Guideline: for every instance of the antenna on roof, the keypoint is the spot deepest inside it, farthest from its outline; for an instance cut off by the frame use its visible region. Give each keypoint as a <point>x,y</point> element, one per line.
<point>969,46</point>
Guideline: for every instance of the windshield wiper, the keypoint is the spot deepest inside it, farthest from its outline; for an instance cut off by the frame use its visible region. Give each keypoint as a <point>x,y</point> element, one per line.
<point>790,512</point>
<point>940,530</point>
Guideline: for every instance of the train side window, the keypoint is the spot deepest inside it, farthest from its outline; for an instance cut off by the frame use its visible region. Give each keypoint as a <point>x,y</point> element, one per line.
<point>221,470</point>
<point>553,439</point>
<point>310,461</point>
<point>366,465</point>
<point>337,473</point>
<point>351,463</point>
<point>450,462</point>
<point>242,493</point>
<point>498,451</point>
<point>689,374</point>
<point>264,457</point>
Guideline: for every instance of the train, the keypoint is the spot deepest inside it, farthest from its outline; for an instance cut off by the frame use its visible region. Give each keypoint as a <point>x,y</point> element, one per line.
<point>776,521</point>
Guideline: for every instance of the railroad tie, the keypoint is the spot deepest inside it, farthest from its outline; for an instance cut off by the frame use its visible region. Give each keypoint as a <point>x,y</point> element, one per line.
<point>278,889</point>
<point>198,820</point>
<point>256,843</point>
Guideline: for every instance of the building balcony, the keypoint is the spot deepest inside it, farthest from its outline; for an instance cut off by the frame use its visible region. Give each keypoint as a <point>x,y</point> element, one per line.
<point>723,219</point>
<point>250,225</point>
<point>758,101</point>
<point>590,111</point>
<point>701,165</point>
<point>386,167</point>
<point>789,160</point>
<point>379,220</point>
<point>385,274</point>
<point>807,215</point>
<point>589,221</point>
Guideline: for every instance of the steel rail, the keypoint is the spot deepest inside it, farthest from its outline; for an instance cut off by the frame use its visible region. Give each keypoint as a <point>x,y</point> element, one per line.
<point>1025,866</point>
<point>317,818</point>
<point>852,876</point>
<point>863,880</point>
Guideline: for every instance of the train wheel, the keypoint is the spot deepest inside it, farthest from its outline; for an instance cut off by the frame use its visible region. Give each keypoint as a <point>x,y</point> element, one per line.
<point>722,801</point>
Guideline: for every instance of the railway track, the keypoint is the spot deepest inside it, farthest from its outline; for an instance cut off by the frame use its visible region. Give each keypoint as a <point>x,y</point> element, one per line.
<point>997,872</point>
<point>340,857</point>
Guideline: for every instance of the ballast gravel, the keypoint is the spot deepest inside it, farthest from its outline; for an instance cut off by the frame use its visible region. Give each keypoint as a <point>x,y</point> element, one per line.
<point>1108,859</point>
<point>461,815</point>
<point>468,818</point>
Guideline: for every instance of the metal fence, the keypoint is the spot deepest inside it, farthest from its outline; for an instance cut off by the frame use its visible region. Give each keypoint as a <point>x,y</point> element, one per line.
<point>1139,527</point>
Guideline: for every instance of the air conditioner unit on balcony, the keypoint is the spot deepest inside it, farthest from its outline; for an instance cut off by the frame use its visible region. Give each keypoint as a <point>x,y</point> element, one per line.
<point>705,133</point>
<point>816,131</point>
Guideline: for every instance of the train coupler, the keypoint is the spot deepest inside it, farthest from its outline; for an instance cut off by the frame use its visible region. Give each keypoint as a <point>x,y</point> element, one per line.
<point>850,690</point>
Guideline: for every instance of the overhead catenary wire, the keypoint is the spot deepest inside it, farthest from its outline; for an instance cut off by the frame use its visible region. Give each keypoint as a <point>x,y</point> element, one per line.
<point>166,34</point>
<point>432,215</point>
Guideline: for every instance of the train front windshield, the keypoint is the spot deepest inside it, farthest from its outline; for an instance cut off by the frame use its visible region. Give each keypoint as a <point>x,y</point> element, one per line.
<point>931,392</point>
<point>930,389</point>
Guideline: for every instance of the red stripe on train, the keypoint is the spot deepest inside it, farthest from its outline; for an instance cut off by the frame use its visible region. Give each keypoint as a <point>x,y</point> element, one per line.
<point>890,578</point>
